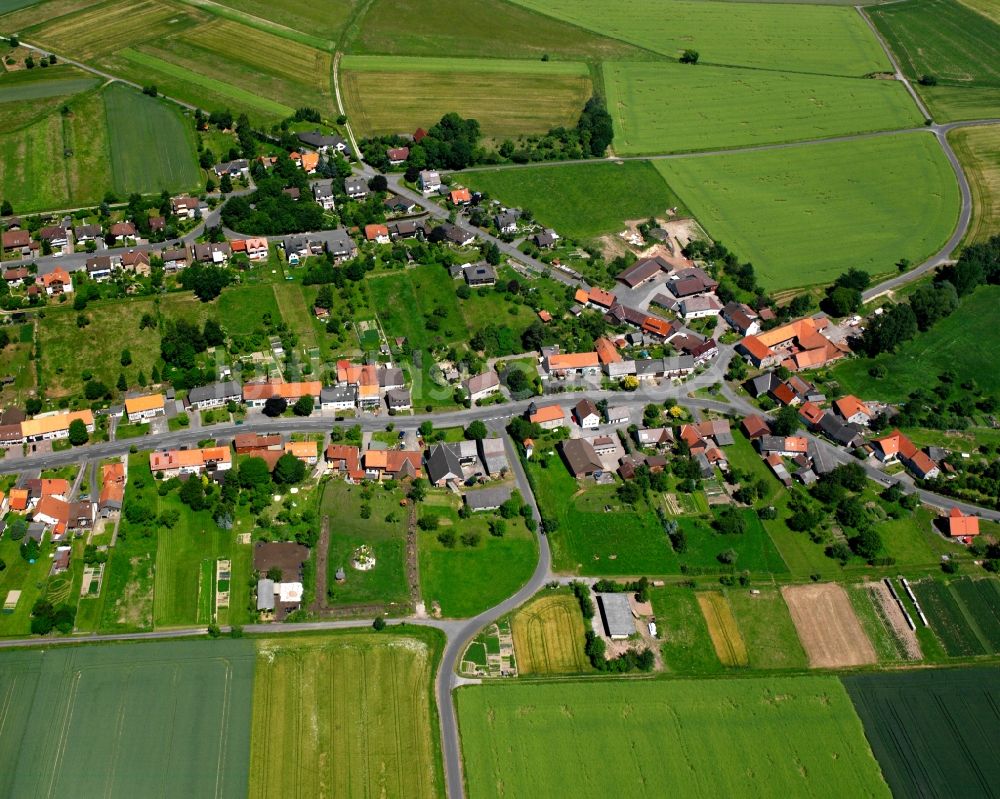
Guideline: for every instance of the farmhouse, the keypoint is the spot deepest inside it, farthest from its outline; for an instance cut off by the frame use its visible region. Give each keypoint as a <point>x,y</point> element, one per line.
<point>144,407</point>
<point>786,447</point>
<point>811,414</point>
<point>688,282</point>
<point>616,614</point>
<point>398,399</point>
<point>852,410</point>
<point>575,364</point>
<point>741,318</point>
<point>897,447</point>
<point>394,464</point>
<point>755,426</point>
<point>580,456</point>
<point>346,460</point>
<point>796,346</point>
<point>698,307</point>
<point>444,464</point>
<point>64,516</point>
<point>642,271</point>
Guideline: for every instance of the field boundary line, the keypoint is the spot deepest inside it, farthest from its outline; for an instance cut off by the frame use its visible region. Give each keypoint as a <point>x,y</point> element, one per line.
<point>892,60</point>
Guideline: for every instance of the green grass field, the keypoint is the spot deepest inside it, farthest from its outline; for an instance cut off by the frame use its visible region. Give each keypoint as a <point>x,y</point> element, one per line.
<point>791,736</point>
<point>326,20</point>
<point>932,730</point>
<point>127,720</point>
<point>138,124</point>
<point>962,342</point>
<point>979,151</point>
<point>804,215</point>
<point>754,549</point>
<point>486,28</point>
<point>347,715</point>
<point>583,200</point>
<point>468,580</point>
<point>814,38</point>
<point>956,45</point>
<point>767,628</point>
<point>687,648</point>
<point>30,94</point>
<point>508,98</point>
<point>721,107</point>
<point>386,583</point>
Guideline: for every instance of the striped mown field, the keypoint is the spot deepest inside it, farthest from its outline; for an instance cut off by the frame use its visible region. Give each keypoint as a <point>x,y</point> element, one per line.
<point>548,636</point>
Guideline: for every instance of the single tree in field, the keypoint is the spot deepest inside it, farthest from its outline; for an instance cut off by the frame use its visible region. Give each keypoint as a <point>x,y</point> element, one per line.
<point>689,57</point>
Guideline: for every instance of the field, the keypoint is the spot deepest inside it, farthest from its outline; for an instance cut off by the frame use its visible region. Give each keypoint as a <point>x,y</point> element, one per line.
<point>891,638</point>
<point>804,215</point>
<point>548,636</point>
<point>484,29</point>
<point>961,342</point>
<point>508,98</point>
<point>722,107</point>
<point>821,39</point>
<point>173,718</point>
<point>932,731</point>
<point>326,20</point>
<point>952,625</point>
<point>386,583</point>
<point>767,629</point>
<point>948,40</point>
<point>347,716</point>
<point>686,644</point>
<point>137,125</point>
<point>977,149</point>
<point>827,627</point>
<point>468,580</point>
<point>46,89</point>
<point>792,736</point>
<point>580,201</point>
<point>722,628</point>
<point>755,552</point>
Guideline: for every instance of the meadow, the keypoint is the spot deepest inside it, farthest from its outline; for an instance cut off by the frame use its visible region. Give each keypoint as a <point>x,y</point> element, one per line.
<point>508,98</point>
<point>173,717</point>
<point>486,28</point>
<point>138,124</point>
<point>789,736</point>
<point>384,532</point>
<point>815,38</point>
<point>961,342</point>
<point>30,94</point>
<point>950,41</point>
<point>323,20</point>
<point>548,636</point>
<point>468,580</point>
<point>754,550</point>
<point>722,107</point>
<point>950,718</point>
<point>767,629</point>
<point>977,149</point>
<point>581,200</point>
<point>347,715</point>
<point>686,644</point>
<point>805,214</point>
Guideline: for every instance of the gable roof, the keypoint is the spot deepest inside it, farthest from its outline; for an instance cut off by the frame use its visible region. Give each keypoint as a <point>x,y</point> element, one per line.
<point>547,413</point>
<point>850,405</point>
<point>961,525</point>
<point>581,457</point>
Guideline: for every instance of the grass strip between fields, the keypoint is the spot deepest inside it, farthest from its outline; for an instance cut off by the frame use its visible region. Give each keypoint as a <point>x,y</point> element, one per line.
<point>376,63</point>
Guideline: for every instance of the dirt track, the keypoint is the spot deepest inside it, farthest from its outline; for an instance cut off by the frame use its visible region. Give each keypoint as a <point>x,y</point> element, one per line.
<point>826,624</point>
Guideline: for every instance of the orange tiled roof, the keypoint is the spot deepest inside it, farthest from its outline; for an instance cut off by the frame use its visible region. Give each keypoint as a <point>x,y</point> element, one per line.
<point>147,402</point>
<point>961,525</point>
<point>547,413</point>
<point>606,351</point>
<point>850,405</point>
<point>574,360</point>
<point>302,449</point>
<point>756,347</point>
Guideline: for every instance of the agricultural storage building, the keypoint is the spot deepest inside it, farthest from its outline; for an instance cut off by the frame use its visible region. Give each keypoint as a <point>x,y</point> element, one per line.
<point>617,615</point>
<point>265,595</point>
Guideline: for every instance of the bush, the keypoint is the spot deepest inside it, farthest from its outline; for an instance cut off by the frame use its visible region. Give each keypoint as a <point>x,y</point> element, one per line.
<point>379,624</point>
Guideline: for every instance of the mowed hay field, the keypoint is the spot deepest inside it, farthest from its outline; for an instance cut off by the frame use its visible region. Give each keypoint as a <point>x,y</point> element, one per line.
<point>933,732</point>
<point>508,98</point>
<point>792,736</point>
<point>152,148</point>
<point>548,636</point>
<point>324,20</point>
<point>666,107</point>
<point>722,629</point>
<point>581,200</point>
<point>804,214</point>
<point>344,716</point>
<point>956,45</point>
<point>828,629</point>
<point>979,151</point>
<point>28,95</point>
<point>150,719</point>
<point>828,40</point>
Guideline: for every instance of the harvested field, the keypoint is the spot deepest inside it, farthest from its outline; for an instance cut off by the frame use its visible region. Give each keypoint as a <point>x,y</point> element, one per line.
<point>933,732</point>
<point>723,630</point>
<point>344,716</point>
<point>828,629</point>
<point>548,636</point>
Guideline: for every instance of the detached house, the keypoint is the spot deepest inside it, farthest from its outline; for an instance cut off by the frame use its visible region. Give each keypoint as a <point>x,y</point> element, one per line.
<point>54,235</point>
<point>430,181</point>
<point>548,417</point>
<point>184,207</point>
<point>397,155</point>
<point>322,192</point>
<point>586,414</point>
<point>897,447</point>
<point>482,386</point>
<point>356,188</point>
<point>55,282</point>
<point>852,410</point>
<point>377,233</point>
<point>136,261</point>
<point>122,231</point>
<point>144,407</point>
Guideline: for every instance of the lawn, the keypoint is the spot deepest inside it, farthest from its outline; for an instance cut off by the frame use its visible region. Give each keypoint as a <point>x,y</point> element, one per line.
<point>767,628</point>
<point>508,98</point>
<point>384,532</point>
<point>979,151</point>
<point>581,201</point>
<point>484,29</point>
<point>173,718</point>
<point>804,215</point>
<point>932,731</point>
<point>548,635</point>
<point>466,580</point>
<point>686,645</point>
<point>755,551</point>
<point>137,124</point>
<point>242,308</point>
<point>346,715</point>
<point>809,38</point>
<point>28,578</point>
<point>789,736</point>
<point>961,342</point>
<point>722,107</point>
<point>950,41</point>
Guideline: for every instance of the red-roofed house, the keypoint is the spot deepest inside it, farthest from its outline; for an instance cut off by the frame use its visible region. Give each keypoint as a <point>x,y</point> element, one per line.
<point>959,525</point>
<point>460,197</point>
<point>811,413</point>
<point>852,410</point>
<point>377,233</point>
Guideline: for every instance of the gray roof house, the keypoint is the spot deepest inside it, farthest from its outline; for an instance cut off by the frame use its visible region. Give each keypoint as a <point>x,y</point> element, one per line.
<point>398,399</point>
<point>338,243</point>
<point>215,395</point>
<point>443,465</point>
<point>487,498</point>
<point>617,615</point>
<point>265,594</point>
<point>493,454</point>
<point>356,188</point>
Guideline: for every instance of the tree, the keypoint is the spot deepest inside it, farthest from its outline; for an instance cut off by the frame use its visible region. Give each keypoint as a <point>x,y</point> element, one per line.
<point>303,406</point>
<point>885,332</point>
<point>378,183</point>
<point>226,184</point>
<point>275,574</point>
<point>379,624</point>
<point>730,521</point>
<point>689,57</point>
<point>6,209</point>
<point>932,302</point>
<point>786,421</point>
<point>289,470</point>
<point>78,435</point>
<point>426,429</point>
<point>253,473</point>
<point>476,431</point>
<point>275,406</point>
<point>126,358</point>
<point>418,490</point>
<point>122,383</point>
<point>867,543</point>
<point>595,127</point>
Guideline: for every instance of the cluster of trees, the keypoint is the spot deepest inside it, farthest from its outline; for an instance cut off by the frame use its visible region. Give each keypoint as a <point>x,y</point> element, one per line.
<point>844,296</point>
<point>638,587</point>
<point>630,660</point>
<point>270,211</point>
<point>632,491</point>
<point>205,280</point>
<point>46,617</point>
<point>589,138</point>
